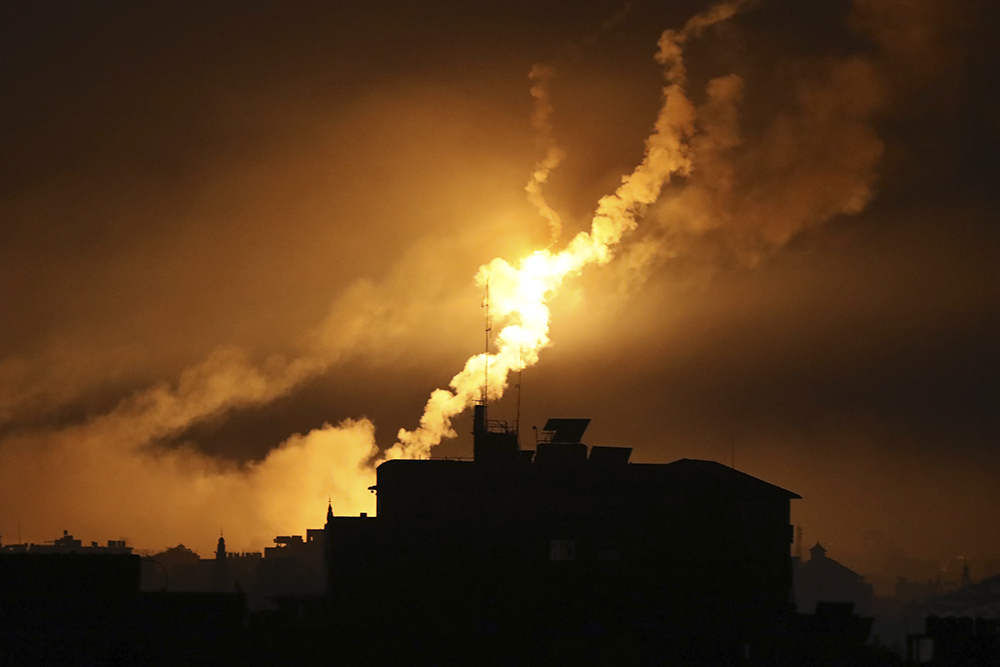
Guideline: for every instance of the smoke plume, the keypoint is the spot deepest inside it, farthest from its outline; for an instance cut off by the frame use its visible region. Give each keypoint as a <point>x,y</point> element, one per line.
<point>746,198</point>
<point>541,76</point>
<point>519,292</point>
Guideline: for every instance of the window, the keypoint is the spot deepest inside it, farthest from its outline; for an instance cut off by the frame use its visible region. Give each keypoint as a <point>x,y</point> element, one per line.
<point>562,550</point>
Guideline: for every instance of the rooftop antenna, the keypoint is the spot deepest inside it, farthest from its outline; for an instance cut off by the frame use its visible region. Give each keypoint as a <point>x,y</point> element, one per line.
<point>486,357</point>
<point>520,370</point>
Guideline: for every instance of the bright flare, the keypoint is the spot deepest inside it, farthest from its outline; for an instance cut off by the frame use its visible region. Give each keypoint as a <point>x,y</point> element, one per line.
<point>519,293</point>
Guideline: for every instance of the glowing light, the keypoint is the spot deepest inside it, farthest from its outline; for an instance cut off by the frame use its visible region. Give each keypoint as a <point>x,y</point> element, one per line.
<point>519,293</point>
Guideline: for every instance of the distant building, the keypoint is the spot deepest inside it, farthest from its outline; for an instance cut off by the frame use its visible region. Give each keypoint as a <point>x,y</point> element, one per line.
<point>175,569</point>
<point>822,579</point>
<point>66,604</point>
<point>979,600</point>
<point>956,642</point>
<point>915,592</point>
<point>67,544</point>
<point>294,566</point>
<point>180,569</point>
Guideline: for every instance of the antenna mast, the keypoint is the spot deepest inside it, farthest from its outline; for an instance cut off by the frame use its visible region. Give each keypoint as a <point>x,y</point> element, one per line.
<point>486,357</point>
<point>520,370</point>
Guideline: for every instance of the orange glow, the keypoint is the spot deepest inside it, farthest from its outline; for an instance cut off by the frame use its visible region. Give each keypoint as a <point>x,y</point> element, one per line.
<point>519,293</point>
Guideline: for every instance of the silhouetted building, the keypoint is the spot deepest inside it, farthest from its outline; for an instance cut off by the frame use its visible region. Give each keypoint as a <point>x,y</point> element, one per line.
<point>822,579</point>
<point>67,544</point>
<point>177,569</point>
<point>831,636</point>
<point>294,566</point>
<point>915,592</point>
<point>979,600</point>
<point>956,642</point>
<point>85,608</point>
<point>566,551</point>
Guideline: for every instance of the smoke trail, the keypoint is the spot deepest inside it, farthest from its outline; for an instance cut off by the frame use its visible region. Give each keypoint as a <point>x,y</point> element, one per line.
<point>541,76</point>
<point>519,293</point>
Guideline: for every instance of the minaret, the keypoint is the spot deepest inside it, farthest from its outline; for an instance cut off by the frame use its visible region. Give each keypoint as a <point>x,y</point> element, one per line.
<point>328,546</point>
<point>328,530</point>
<point>220,569</point>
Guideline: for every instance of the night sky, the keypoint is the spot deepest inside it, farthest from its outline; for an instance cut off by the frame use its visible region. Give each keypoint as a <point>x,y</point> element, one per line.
<point>237,239</point>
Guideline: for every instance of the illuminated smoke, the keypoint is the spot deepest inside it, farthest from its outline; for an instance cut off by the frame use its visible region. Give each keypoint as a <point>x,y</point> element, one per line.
<point>519,293</point>
<point>747,197</point>
<point>541,76</point>
<point>807,167</point>
<point>115,465</point>
<point>126,472</point>
<point>110,466</point>
<point>83,475</point>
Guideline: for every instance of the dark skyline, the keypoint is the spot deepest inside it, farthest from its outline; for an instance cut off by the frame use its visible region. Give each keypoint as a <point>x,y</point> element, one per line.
<point>226,226</point>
